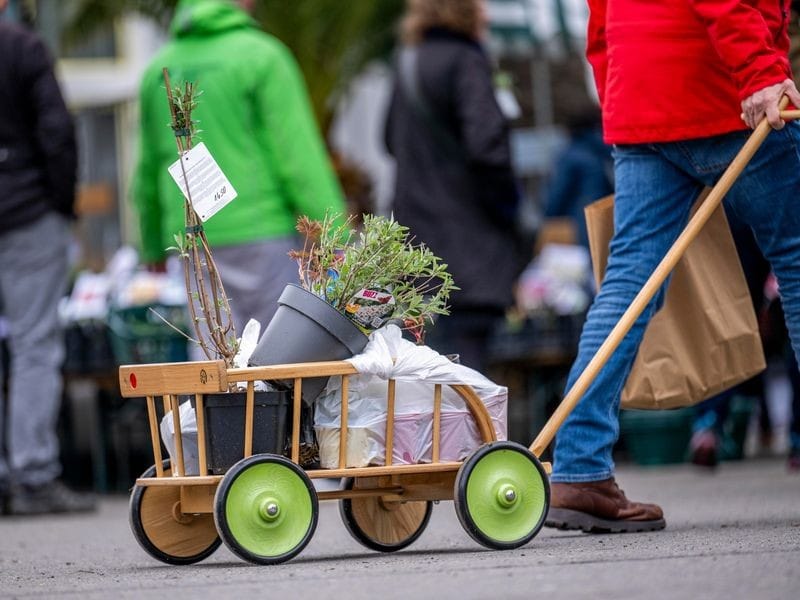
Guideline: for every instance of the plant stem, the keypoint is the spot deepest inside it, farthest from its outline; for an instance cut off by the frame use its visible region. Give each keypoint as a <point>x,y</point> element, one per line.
<point>198,263</point>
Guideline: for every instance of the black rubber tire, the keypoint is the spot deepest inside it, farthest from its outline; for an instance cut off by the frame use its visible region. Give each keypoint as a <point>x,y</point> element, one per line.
<point>220,505</point>
<point>462,507</point>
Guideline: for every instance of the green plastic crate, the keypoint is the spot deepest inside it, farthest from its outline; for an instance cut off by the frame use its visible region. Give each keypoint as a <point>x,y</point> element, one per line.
<point>139,336</point>
<point>657,437</point>
<point>734,430</point>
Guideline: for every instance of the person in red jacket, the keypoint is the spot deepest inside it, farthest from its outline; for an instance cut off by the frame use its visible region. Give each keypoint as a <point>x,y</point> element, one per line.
<point>681,83</point>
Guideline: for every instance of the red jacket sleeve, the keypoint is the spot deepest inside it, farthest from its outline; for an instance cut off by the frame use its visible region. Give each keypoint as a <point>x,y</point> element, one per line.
<point>752,41</point>
<point>596,45</point>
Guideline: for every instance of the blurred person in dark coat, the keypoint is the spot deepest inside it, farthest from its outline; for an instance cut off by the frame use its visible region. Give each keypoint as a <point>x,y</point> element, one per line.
<point>455,188</point>
<point>37,192</point>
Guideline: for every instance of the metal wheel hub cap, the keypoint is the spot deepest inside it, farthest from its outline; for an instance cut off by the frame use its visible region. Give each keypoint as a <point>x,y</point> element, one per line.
<point>507,495</point>
<point>269,509</point>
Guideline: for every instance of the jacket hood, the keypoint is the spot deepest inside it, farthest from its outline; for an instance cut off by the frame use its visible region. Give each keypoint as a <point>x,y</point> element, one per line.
<point>203,17</point>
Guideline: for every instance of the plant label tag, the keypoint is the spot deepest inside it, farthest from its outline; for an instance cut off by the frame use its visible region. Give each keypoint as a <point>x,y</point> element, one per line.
<point>371,309</point>
<point>210,189</point>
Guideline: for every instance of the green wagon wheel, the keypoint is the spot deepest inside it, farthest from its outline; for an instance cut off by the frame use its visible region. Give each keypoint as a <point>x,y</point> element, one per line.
<point>266,509</point>
<point>163,531</point>
<point>381,525</point>
<point>502,495</point>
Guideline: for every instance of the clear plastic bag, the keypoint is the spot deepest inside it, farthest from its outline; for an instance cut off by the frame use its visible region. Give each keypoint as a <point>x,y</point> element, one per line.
<point>416,370</point>
<point>188,420</point>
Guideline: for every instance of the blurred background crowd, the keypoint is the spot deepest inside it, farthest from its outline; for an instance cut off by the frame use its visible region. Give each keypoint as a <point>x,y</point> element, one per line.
<point>346,53</point>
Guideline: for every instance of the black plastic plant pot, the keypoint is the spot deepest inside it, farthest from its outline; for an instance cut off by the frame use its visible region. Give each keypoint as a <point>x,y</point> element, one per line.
<point>224,423</point>
<point>305,328</point>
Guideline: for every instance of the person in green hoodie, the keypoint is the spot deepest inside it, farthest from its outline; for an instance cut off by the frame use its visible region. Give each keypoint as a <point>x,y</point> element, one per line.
<point>256,120</point>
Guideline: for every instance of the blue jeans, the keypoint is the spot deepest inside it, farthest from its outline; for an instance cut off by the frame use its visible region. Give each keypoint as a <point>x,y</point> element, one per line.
<point>656,185</point>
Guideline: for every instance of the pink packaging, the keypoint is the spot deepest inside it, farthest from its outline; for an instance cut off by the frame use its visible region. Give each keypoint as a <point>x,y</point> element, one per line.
<point>413,433</point>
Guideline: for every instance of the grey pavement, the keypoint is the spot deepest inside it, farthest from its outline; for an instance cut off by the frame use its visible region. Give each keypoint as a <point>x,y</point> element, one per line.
<point>731,534</point>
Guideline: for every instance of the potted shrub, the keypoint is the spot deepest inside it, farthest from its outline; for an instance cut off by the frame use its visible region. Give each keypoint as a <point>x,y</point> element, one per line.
<point>350,283</point>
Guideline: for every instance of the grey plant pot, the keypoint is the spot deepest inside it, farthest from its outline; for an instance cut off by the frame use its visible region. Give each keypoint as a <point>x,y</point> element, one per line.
<point>305,328</point>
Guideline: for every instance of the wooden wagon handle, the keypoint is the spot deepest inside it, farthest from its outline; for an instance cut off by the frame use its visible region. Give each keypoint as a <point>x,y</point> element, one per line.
<point>655,281</point>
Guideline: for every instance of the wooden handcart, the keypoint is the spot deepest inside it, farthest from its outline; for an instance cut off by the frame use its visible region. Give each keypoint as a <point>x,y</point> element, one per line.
<point>265,507</point>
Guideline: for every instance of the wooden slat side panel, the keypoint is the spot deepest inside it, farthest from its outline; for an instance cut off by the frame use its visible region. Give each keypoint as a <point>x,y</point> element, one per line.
<point>179,469</point>
<point>344,424</point>
<point>155,436</point>
<point>384,470</point>
<point>296,407</point>
<point>292,371</point>
<point>436,485</point>
<point>206,377</point>
<point>249,409</point>
<point>478,410</point>
<point>390,398</point>
<point>437,421</point>
<point>178,481</point>
<point>201,434</point>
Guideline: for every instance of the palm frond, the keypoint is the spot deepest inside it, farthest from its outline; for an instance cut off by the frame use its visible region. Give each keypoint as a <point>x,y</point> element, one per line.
<point>87,17</point>
<point>331,40</point>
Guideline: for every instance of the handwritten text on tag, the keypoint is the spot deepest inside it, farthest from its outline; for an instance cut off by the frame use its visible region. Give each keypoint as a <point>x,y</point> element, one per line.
<point>210,189</point>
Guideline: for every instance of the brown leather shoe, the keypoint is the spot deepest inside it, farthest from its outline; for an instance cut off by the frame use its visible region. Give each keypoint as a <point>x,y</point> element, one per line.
<point>600,507</point>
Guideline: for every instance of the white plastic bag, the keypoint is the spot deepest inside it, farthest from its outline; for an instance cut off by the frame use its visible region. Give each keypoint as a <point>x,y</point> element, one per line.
<point>188,437</point>
<point>416,369</point>
<point>247,343</point>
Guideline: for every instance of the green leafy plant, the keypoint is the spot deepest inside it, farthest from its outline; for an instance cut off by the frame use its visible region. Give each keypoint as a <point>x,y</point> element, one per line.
<point>338,263</point>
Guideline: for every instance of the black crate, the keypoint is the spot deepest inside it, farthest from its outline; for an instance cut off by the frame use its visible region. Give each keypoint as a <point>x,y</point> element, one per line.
<point>88,349</point>
<point>539,335</point>
<point>224,425</point>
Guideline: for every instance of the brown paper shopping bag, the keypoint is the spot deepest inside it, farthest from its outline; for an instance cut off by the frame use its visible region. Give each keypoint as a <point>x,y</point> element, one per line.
<point>705,338</point>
